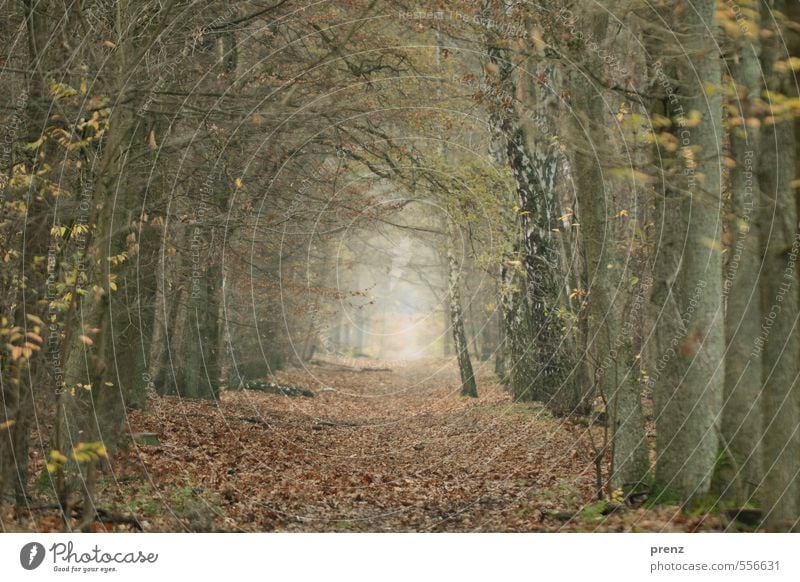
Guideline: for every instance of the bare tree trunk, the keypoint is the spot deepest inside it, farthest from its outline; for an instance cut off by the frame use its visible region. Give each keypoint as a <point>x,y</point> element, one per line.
<point>601,198</point>
<point>185,351</point>
<point>688,293</point>
<point>23,291</point>
<point>541,368</point>
<point>778,336</point>
<point>740,471</point>
<point>161,319</point>
<point>198,375</point>
<point>501,346</point>
<point>468,384</point>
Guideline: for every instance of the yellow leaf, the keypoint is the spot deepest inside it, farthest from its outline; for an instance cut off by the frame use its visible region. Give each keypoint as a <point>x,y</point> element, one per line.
<point>57,456</point>
<point>668,141</point>
<point>694,119</point>
<point>753,122</point>
<point>7,424</point>
<point>732,29</point>
<point>61,90</point>
<point>659,121</point>
<point>34,319</point>
<point>791,64</point>
<point>81,457</point>
<point>85,452</point>
<point>238,183</point>
<point>35,144</point>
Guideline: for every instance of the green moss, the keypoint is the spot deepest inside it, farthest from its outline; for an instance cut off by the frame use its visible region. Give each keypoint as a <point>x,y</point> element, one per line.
<point>663,496</point>
<point>595,510</point>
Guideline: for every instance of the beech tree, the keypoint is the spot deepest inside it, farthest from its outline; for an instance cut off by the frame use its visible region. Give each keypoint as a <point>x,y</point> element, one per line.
<point>599,198</point>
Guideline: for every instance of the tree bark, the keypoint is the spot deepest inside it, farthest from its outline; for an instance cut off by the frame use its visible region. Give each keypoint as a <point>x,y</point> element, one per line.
<point>778,336</point>
<point>740,471</point>
<point>540,367</point>
<point>24,289</point>
<point>610,325</point>
<point>468,384</point>
<point>689,331</point>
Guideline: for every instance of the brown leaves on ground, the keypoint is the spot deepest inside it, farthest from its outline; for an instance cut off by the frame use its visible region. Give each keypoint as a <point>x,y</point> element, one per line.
<point>373,451</point>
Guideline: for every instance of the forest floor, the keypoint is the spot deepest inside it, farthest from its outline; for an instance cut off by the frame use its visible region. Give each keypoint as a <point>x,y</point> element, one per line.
<point>395,451</point>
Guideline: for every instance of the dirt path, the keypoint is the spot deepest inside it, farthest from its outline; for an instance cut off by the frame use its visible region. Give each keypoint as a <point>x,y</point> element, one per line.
<point>373,451</point>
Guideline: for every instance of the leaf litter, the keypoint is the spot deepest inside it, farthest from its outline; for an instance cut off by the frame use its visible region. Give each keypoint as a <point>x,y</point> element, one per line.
<point>379,451</point>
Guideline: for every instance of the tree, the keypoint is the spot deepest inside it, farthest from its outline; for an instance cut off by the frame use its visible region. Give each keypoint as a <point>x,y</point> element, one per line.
<point>541,369</point>
<point>778,339</point>
<point>468,385</point>
<point>740,471</point>
<point>604,168</point>
<point>689,335</point>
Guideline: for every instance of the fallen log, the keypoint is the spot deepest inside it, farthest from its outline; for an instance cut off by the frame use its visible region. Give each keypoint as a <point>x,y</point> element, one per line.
<point>333,365</point>
<point>104,516</point>
<point>281,389</point>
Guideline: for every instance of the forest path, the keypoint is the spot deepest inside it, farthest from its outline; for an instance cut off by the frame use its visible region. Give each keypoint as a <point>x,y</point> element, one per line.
<point>373,451</point>
<point>392,450</point>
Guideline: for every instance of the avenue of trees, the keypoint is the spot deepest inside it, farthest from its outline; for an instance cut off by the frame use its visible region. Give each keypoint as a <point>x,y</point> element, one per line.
<point>600,197</point>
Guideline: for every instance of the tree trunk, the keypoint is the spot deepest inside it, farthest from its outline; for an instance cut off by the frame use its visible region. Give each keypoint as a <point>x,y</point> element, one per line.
<point>198,375</point>
<point>23,290</point>
<point>186,351</point>
<point>167,308</point>
<point>605,236</point>
<point>468,384</point>
<point>689,332</point>
<point>740,471</point>
<point>778,336</point>
<point>501,349</point>
<point>542,369</point>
